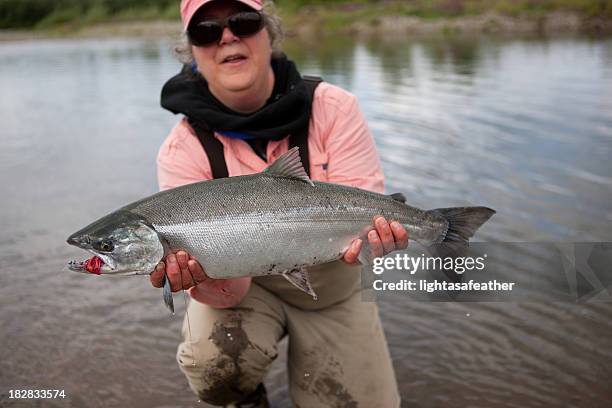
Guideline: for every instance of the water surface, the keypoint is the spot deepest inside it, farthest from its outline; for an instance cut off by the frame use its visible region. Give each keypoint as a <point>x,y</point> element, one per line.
<point>523,126</point>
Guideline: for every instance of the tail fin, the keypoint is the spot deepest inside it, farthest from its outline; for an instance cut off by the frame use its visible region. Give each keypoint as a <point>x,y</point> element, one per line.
<point>463,221</point>
<point>462,224</point>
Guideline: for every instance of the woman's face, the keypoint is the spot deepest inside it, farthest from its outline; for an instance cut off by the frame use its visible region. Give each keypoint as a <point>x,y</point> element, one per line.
<point>232,64</point>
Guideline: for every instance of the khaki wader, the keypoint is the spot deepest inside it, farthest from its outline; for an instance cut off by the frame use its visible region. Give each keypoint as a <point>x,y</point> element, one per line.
<point>338,355</point>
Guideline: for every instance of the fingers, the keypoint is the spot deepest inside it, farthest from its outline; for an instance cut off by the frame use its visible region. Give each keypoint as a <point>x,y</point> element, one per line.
<point>183,272</point>
<point>186,280</point>
<point>385,235</point>
<point>384,238</point>
<point>196,270</point>
<point>173,272</point>
<point>376,246</point>
<point>400,234</point>
<point>157,277</point>
<point>351,254</point>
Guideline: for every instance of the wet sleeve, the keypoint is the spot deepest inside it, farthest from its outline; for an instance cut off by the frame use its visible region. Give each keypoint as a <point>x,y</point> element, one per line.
<point>181,160</point>
<point>352,156</point>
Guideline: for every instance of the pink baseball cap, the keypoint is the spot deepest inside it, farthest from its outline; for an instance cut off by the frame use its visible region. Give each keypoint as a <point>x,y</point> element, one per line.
<point>189,8</point>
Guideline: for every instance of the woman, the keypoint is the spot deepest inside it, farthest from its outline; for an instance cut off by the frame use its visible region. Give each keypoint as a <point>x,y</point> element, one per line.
<point>240,93</point>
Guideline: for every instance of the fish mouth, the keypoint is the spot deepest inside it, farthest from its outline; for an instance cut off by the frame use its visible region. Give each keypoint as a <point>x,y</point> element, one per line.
<point>91,265</point>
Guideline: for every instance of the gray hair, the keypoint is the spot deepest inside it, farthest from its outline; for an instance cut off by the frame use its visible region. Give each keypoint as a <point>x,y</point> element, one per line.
<point>272,23</point>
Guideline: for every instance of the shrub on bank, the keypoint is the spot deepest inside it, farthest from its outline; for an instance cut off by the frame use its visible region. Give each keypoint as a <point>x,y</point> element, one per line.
<point>48,13</point>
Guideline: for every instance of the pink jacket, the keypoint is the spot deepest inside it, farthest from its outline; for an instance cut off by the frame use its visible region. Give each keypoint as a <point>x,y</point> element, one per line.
<point>341,151</point>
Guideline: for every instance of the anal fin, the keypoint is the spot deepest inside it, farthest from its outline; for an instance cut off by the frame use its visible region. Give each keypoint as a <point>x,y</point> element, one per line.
<point>299,278</point>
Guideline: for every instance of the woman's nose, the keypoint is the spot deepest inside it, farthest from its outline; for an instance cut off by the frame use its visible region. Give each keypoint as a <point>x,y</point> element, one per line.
<point>227,36</point>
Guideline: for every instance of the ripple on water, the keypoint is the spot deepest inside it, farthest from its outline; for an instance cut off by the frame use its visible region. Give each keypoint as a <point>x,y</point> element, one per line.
<point>516,125</point>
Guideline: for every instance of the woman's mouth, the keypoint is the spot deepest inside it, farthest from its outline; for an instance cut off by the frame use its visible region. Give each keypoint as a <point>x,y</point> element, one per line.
<point>234,59</point>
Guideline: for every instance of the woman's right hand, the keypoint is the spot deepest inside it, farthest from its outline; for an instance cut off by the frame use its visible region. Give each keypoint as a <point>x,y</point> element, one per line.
<point>182,270</point>
<point>185,272</point>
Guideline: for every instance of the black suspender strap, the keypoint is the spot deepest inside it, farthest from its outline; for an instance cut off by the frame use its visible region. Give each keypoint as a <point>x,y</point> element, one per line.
<point>300,138</point>
<point>214,148</point>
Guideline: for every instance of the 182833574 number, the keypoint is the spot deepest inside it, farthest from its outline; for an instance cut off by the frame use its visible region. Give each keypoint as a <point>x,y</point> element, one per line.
<point>36,394</point>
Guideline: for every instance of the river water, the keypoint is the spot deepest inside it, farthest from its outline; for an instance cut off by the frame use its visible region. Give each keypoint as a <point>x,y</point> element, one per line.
<point>520,125</point>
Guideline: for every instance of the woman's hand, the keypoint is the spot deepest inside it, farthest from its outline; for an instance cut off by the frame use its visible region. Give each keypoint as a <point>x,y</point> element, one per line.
<point>182,270</point>
<point>384,238</point>
<point>185,272</point>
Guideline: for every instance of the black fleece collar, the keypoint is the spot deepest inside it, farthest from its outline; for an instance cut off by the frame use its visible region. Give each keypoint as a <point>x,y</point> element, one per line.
<point>287,110</point>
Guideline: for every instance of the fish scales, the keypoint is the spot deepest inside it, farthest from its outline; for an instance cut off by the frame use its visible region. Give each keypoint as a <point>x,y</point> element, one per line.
<point>278,221</point>
<point>275,223</point>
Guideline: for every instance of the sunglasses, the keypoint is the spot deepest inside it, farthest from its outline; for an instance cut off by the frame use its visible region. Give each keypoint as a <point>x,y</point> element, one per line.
<point>242,24</point>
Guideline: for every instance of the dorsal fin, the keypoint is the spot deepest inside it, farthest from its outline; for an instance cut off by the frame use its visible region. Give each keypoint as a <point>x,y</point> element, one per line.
<point>398,197</point>
<point>289,165</point>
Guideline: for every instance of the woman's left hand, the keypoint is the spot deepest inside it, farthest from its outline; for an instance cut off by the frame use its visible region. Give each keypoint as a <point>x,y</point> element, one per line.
<point>386,237</point>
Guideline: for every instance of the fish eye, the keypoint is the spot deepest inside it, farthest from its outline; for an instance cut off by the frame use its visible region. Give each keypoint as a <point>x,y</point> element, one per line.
<point>105,245</point>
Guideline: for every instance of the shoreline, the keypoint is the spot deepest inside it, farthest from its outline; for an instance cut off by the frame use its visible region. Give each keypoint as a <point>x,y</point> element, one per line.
<point>553,23</point>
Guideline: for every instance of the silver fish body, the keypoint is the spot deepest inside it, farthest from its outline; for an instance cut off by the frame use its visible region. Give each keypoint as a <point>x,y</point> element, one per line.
<point>275,222</point>
<point>266,224</point>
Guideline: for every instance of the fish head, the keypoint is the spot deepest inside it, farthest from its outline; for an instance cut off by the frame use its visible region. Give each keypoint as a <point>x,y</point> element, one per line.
<point>122,243</point>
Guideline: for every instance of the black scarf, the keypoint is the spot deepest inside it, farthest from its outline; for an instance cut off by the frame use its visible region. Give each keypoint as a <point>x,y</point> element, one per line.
<point>285,112</point>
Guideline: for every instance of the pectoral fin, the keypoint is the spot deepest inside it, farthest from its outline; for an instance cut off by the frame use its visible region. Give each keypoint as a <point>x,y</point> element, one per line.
<point>167,291</point>
<point>299,277</point>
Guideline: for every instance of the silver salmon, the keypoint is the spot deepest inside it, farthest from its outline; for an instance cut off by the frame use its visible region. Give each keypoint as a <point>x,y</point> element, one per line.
<point>277,222</point>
